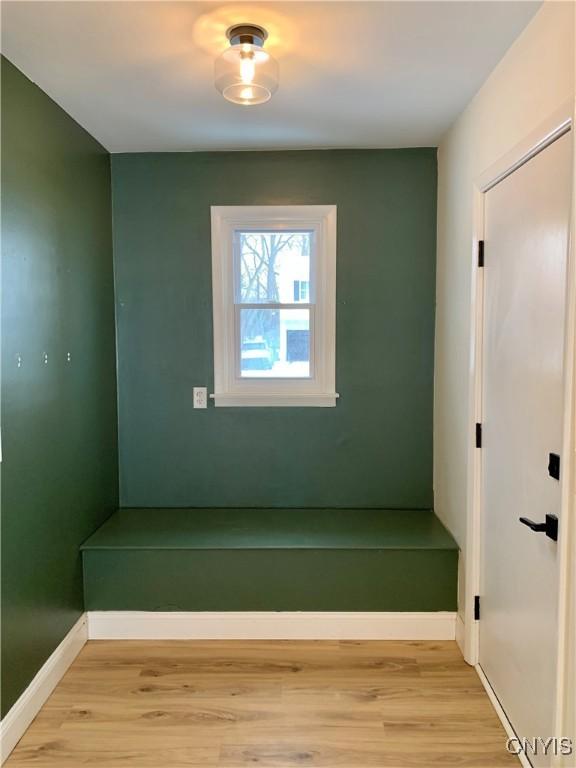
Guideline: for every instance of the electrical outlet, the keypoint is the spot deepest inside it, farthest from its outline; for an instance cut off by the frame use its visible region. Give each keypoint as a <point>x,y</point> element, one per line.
<point>200,397</point>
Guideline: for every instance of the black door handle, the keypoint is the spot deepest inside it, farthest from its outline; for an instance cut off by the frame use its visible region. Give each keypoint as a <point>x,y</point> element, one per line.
<point>532,525</point>
<point>549,527</point>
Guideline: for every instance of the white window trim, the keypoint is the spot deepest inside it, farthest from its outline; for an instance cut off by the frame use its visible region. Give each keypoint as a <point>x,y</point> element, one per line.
<point>230,390</point>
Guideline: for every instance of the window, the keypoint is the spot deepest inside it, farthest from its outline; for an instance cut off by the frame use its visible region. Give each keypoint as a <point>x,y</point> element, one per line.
<point>301,290</point>
<point>274,291</point>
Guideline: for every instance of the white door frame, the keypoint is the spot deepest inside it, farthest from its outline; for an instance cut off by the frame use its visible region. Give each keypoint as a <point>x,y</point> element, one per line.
<point>556,125</point>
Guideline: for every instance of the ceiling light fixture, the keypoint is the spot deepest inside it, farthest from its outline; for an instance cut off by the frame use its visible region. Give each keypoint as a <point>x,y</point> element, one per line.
<point>245,72</point>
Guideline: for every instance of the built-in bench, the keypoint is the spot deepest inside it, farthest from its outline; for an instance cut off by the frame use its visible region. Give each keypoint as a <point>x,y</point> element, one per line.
<point>271,560</point>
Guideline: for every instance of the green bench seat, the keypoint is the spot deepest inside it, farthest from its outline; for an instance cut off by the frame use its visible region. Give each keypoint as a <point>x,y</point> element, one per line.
<point>271,560</point>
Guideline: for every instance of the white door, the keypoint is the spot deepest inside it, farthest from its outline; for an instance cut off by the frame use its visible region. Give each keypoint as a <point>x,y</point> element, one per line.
<point>526,246</point>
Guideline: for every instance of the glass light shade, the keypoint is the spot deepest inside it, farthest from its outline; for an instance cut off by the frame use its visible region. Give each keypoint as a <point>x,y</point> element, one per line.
<point>246,74</point>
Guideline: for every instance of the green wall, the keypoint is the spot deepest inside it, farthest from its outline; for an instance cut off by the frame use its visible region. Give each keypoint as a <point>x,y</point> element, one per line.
<point>59,441</point>
<point>375,447</point>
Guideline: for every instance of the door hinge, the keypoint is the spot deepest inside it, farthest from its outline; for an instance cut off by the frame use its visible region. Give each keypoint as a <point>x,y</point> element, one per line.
<point>480,253</point>
<point>476,607</point>
<point>478,435</point>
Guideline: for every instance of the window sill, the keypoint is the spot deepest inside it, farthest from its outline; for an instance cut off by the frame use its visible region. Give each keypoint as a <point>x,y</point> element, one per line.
<point>251,400</point>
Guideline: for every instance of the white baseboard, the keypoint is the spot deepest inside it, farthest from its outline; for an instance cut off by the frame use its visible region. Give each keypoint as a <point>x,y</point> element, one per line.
<point>503,717</point>
<point>460,633</point>
<point>17,720</point>
<point>232,625</point>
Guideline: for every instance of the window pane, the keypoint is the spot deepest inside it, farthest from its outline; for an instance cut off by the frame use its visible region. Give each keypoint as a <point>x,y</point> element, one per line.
<point>269,264</point>
<point>275,343</point>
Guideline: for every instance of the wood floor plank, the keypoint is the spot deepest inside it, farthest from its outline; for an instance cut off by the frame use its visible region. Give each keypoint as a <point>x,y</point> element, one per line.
<point>276,704</point>
<point>367,755</point>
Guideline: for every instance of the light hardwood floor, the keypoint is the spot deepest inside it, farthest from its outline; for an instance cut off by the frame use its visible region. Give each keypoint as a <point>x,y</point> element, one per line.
<point>278,704</point>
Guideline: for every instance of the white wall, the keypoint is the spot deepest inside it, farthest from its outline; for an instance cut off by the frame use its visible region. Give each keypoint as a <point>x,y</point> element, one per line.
<point>533,80</point>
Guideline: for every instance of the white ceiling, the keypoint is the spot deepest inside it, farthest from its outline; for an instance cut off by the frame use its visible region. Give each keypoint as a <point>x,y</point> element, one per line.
<point>139,75</point>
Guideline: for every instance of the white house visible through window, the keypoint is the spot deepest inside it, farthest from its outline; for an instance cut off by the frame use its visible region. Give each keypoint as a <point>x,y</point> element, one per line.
<point>274,279</point>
